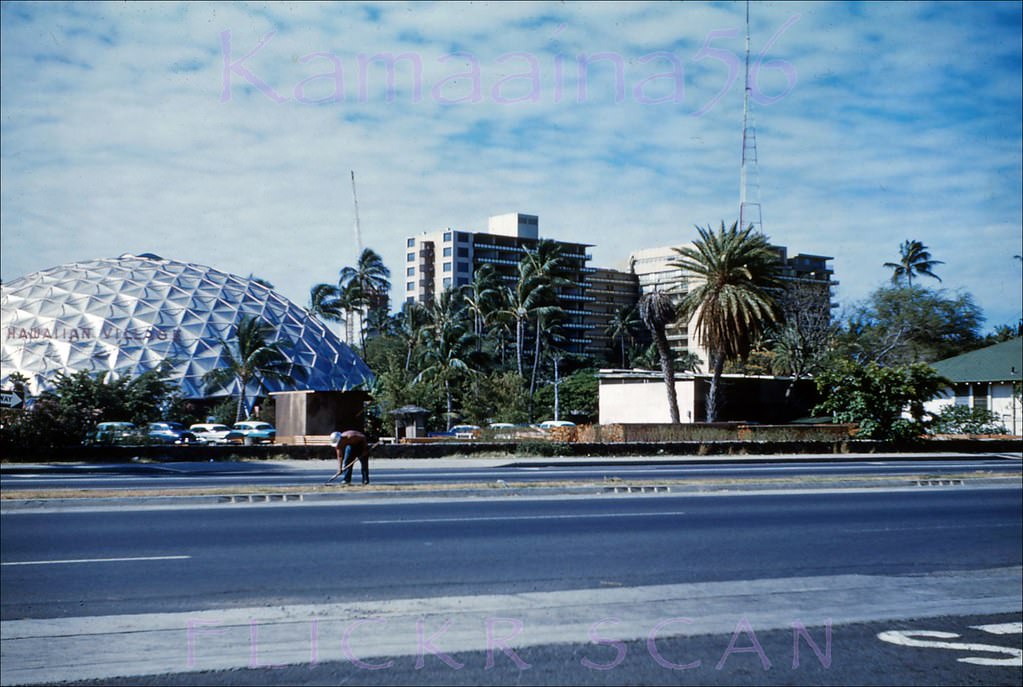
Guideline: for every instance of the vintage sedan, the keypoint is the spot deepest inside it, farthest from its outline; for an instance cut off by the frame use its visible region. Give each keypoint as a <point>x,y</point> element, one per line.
<point>214,433</point>
<point>107,433</point>
<point>255,432</point>
<point>170,433</point>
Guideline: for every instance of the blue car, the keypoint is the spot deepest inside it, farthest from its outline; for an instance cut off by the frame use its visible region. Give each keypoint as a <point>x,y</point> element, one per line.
<point>255,432</point>
<point>171,433</point>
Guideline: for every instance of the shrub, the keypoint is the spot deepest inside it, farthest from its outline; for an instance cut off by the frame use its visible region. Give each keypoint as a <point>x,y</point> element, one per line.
<point>957,419</point>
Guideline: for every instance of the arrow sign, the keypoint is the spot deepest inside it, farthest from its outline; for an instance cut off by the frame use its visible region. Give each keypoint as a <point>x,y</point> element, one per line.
<point>9,399</point>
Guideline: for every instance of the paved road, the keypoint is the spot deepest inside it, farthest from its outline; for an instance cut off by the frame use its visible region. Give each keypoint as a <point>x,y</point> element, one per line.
<point>126,592</point>
<point>243,555</point>
<point>747,655</point>
<point>461,471</point>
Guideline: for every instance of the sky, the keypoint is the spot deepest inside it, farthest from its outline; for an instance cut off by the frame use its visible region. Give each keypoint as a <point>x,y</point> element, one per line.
<point>225,134</point>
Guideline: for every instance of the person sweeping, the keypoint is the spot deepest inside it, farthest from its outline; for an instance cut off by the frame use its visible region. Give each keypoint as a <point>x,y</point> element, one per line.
<point>349,446</point>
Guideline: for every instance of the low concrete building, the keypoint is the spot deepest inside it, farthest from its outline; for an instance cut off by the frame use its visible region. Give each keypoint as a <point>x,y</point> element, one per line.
<point>988,379</point>
<point>639,396</point>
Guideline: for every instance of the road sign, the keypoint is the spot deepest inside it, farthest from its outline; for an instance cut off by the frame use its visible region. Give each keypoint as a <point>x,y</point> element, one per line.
<point>9,399</point>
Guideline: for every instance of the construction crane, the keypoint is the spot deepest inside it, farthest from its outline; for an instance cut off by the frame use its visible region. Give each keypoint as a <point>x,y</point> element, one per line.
<point>358,229</point>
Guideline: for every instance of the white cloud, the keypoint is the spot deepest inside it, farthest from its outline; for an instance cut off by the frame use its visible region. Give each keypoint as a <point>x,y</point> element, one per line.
<point>904,122</point>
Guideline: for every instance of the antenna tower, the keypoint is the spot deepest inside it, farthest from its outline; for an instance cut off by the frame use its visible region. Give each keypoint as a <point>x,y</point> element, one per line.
<point>749,181</point>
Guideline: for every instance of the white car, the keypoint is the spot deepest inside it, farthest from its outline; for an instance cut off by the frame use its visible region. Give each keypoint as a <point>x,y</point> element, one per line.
<point>551,424</point>
<point>213,433</point>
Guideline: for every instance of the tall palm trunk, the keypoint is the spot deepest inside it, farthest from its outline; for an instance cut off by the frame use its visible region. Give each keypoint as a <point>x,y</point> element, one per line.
<point>718,364</point>
<point>520,337</point>
<point>447,392</point>
<point>668,371</point>
<point>536,365</point>
<point>238,414</point>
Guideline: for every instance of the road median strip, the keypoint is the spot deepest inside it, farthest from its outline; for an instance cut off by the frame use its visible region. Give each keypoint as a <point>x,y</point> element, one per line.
<point>287,494</point>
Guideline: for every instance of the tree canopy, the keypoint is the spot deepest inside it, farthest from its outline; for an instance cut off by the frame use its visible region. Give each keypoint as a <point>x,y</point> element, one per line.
<point>734,271</point>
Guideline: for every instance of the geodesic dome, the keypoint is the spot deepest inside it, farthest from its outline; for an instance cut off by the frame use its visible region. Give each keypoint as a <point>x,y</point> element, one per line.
<point>129,314</point>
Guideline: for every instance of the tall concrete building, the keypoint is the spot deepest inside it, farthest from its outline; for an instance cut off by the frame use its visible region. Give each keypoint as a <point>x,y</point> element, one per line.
<point>808,281</point>
<point>612,291</point>
<point>440,260</point>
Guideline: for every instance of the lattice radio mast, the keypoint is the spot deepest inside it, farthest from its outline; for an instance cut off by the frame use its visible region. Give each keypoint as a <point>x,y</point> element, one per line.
<point>749,182</point>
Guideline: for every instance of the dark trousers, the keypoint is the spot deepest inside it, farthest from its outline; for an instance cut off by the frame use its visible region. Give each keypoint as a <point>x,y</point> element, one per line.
<point>363,466</point>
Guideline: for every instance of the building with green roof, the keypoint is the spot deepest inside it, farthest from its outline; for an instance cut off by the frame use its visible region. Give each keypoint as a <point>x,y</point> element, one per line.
<point>988,379</point>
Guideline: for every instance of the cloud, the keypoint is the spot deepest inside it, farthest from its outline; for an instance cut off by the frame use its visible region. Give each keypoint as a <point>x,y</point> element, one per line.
<point>898,120</point>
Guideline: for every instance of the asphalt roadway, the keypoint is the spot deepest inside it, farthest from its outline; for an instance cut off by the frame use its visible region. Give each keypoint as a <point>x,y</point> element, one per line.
<point>900,574</point>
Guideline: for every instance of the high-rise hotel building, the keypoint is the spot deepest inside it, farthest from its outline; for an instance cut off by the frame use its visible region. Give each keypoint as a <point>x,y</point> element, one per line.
<point>439,260</point>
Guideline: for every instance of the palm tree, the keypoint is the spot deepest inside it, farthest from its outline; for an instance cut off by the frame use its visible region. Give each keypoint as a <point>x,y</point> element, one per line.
<point>687,362</point>
<point>546,262</point>
<point>529,293</point>
<point>412,321</point>
<point>249,357</point>
<point>648,358</point>
<point>379,323</point>
<point>734,268</point>
<point>915,259</point>
<point>623,326</point>
<point>657,310</point>
<point>326,303</point>
<point>548,330</point>
<point>483,297</point>
<point>364,285</point>
<point>447,346</point>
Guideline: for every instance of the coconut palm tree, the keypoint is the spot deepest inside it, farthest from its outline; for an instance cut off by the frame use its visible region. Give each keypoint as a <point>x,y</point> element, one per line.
<point>364,285</point>
<point>483,297</point>
<point>734,270</point>
<point>546,263</point>
<point>914,259</point>
<point>530,293</point>
<point>623,326</point>
<point>412,321</point>
<point>326,303</point>
<point>447,346</point>
<point>249,357</point>
<point>657,310</point>
<point>379,323</point>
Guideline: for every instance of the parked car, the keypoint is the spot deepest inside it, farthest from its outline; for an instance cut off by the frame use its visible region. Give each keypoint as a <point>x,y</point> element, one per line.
<point>255,432</point>
<point>170,433</point>
<point>113,433</point>
<point>502,430</point>
<point>551,424</point>
<point>213,433</point>
<point>465,431</point>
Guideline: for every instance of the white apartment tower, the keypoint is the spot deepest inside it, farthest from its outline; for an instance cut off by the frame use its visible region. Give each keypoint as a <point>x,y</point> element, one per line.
<point>439,260</point>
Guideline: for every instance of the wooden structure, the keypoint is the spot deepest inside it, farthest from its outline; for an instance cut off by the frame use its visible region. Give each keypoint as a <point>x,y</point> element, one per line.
<point>307,417</point>
<point>409,422</point>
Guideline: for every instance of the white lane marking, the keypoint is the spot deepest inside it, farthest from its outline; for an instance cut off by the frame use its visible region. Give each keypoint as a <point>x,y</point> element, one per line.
<point>1001,628</point>
<point>926,639</point>
<point>98,560</point>
<point>933,527</point>
<point>579,516</point>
